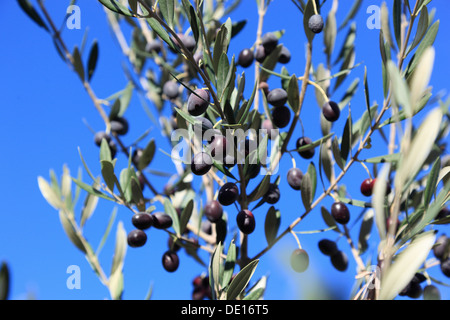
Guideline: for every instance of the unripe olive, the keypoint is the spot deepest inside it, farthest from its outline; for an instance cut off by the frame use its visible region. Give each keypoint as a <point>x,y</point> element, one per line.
<point>299,260</point>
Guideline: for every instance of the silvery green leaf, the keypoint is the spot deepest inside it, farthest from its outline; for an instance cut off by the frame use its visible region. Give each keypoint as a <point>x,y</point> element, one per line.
<point>70,231</point>
<point>329,220</point>
<point>421,76</point>
<point>120,249</point>
<point>48,193</point>
<point>405,266</point>
<point>214,270</point>
<point>170,210</point>
<point>241,280</point>
<point>257,291</point>
<point>378,197</point>
<point>306,191</point>
<point>229,265</point>
<point>400,89</point>
<point>167,8</point>
<point>385,25</point>
<point>413,158</point>
<point>90,203</point>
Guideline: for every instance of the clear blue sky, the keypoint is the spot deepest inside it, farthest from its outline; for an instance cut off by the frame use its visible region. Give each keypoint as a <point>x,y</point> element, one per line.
<point>44,109</point>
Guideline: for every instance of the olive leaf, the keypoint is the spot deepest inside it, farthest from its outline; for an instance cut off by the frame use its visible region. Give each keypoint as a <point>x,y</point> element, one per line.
<point>271,225</point>
<point>406,263</point>
<point>240,281</point>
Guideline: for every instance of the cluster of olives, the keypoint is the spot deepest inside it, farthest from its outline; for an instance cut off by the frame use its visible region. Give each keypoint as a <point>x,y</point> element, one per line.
<point>118,126</point>
<point>414,289</point>
<point>338,258</point>
<point>202,289</point>
<point>269,42</point>
<point>142,221</point>
<point>441,251</point>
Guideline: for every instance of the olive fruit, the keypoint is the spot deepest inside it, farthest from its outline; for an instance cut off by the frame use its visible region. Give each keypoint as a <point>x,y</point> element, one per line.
<point>187,40</point>
<point>367,187</point>
<point>299,260</point>
<point>339,260</point>
<point>170,89</point>
<point>260,54</point>
<point>273,194</point>
<point>431,292</point>
<point>304,141</point>
<point>277,97</point>
<point>201,164</point>
<point>441,248</point>
<point>245,221</point>
<point>285,55</point>
<point>142,220</point>
<point>245,58</point>
<point>445,267</point>
<point>161,220</point>
<point>268,126</point>
<point>414,290</point>
<point>228,194</point>
<point>213,211</point>
<point>294,178</point>
<point>198,102</point>
<point>170,261</point>
<point>331,111</point>
<point>136,238</point>
<point>119,125</point>
<point>328,247</point>
<point>99,136</point>
<point>315,23</point>
<point>218,146</point>
<point>136,156</point>
<point>264,86</point>
<point>340,212</point>
<point>269,41</point>
<point>281,116</point>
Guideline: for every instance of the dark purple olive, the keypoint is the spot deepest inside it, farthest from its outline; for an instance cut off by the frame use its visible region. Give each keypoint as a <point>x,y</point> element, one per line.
<point>285,56</point>
<point>170,261</point>
<point>441,247</point>
<point>299,260</point>
<point>367,187</point>
<point>281,116</point>
<point>142,220</point>
<point>445,267</point>
<point>201,163</point>
<point>340,212</point>
<point>213,211</point>
<point>245,221</point>
<point>218,147</point>
<point>304,141</point>
<point>260,54</point>
<point>331,111</point>
<point>315,23</point>
<point>161,220</point>
<point>198,102</point>
<point>245,58</point>
<point>228,194</point>
<point>277,97</point>
<point>272,195</point>
<point>328,247</point>
<point>339,260</point>
<point>170,89</point>
<point>136,238</point>
<point>119,125</point>
<point>136,156</point>
<point>294,178</point>
<point>99,136</point>
<point>269,41</point>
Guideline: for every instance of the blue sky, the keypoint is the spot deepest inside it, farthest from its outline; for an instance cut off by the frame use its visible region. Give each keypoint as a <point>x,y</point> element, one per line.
<point>45,111</point>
